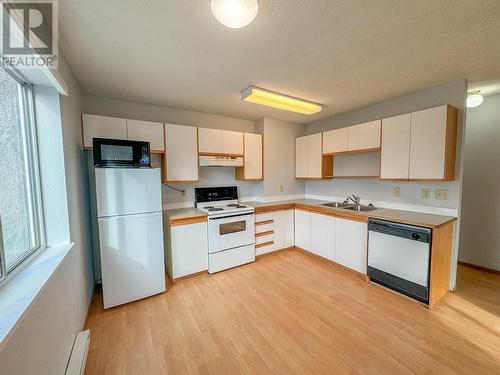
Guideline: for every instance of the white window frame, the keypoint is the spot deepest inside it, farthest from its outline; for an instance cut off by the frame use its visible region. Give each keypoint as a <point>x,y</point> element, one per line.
<point>32,168</point>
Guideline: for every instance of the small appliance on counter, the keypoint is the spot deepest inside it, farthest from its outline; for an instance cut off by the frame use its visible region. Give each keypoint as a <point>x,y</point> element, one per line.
<point>129,221</point>
<point>231,227</point>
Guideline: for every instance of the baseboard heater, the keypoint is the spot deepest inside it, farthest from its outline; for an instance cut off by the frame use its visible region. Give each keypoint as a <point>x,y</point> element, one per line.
<point>78,357</point>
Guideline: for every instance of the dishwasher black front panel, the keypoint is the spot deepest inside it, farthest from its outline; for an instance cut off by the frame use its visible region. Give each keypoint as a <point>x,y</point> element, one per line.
<point>411,289</point>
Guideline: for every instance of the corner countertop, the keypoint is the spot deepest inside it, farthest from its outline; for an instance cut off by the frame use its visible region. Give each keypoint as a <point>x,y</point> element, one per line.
<point>400,216</point>
<point>184,213</point>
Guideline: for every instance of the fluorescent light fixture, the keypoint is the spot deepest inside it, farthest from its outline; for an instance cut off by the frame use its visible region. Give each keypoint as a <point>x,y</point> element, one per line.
<point>234,13</point>
<point>474,99</point>
<point>272,99</point>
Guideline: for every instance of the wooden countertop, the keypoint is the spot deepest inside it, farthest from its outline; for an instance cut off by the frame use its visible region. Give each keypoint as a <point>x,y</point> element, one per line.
<point>400,216</point>
<point>184,216</point>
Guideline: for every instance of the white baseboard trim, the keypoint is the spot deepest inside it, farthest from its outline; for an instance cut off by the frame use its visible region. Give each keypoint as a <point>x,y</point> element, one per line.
<point>393,205</point>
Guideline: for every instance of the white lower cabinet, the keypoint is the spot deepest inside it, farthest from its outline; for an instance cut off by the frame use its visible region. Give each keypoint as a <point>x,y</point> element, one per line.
<point>351,244</point>
<point>289,219</point>
<point>186,249</point>
<point>279,230</point>
<point>303,229</point>
<point>323,236</point>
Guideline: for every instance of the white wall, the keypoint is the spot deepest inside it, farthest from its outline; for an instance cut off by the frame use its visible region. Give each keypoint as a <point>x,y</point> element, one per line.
<point>452,93</point>
<point>480,235</point>
<point>43,341</point>
<point>279,158</point>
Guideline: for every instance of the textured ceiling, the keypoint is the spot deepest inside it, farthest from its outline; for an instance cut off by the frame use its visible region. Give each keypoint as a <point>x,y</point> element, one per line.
<point>343,54</point>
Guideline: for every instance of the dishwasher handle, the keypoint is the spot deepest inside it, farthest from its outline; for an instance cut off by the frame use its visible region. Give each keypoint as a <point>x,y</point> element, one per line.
<point>410,232</point>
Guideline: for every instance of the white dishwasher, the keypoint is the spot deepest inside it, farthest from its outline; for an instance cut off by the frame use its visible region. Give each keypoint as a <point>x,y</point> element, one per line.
<point>399,257</point>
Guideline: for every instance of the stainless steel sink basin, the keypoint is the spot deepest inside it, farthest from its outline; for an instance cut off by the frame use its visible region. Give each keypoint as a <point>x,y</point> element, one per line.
<point>337,204</point>
<point>360,208</point>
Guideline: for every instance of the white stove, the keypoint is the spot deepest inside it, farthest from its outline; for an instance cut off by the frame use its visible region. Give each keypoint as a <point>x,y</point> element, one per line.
<point>224,207</point>
<point>231,227</point>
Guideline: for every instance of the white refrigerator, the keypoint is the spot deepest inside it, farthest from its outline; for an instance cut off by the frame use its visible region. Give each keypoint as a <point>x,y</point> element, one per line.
<point>129,214</point>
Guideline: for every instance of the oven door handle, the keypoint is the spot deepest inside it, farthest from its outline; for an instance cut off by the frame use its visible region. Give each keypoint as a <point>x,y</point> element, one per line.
<point>224,217</point>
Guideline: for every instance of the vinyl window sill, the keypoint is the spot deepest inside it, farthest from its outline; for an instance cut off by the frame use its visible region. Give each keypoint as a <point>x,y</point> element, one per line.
<point>20,292</point>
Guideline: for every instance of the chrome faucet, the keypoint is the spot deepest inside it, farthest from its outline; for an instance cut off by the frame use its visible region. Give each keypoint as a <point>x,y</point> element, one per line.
<point>355,199</point>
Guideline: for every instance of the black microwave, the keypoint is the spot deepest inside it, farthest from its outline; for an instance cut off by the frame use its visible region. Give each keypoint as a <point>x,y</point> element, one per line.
<point>121,153</point>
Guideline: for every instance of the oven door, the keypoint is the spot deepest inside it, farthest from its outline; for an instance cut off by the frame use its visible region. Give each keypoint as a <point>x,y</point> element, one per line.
<point>230,231</point>
<point>121,153</point>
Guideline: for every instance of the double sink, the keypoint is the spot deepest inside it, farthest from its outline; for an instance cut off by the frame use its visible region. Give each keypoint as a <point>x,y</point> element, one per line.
<point>350,206</point>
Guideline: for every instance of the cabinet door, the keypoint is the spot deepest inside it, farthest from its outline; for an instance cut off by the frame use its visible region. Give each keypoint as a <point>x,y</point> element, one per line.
<point>314,155</point>
<point>189,249</point>
<point>364,136</point>
<point>427,143</point>
<point>279,230</point>
<point>102,127</point>
<point>232,143</point>
<point>253,157</point>
<point>181,161</point>
<point>335,141</point>
<point>351,244</point>
<point>301,157</point>
<point>289,228</point>
<point>152,132</point>
<point>210,141</point>
<point>303,229</point>
<point>323,236</point>
<point>395,147</point>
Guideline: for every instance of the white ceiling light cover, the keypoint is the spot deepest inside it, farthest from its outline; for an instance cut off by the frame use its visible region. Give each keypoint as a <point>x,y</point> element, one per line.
<point>234,13</point>
<point>474,100</point>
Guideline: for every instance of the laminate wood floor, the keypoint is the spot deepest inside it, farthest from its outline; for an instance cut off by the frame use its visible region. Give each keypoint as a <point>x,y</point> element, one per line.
<point>289,313</point>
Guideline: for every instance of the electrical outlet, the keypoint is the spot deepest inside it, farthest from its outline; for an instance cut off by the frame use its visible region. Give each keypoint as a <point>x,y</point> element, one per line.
<point>442,194</point>
<point>396,191</point>
<point>281,188</point>
<point>426,193</point>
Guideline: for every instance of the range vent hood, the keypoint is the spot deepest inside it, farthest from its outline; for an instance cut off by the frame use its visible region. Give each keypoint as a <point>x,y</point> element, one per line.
<point>221,161</point>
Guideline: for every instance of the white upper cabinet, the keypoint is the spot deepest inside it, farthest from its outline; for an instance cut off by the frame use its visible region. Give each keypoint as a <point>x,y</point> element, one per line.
<point>232,143</point>
<point>216,141</point>
<point>323,236</point>
<point>364,136</point>
<point>152,132</point>
<point>252,158</point>
<point>181,161</point>
<point>335,141</point>
<point>308,156</point>
<point>102,127</point>
<point>301,157</point>
<point>433,143</point>
<point>351,244</point>
<point>314,155</point>
<point>395,147</point>
<point>210,141</point>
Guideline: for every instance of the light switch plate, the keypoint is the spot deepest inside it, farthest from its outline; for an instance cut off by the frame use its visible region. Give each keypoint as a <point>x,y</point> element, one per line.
<point>396,191</point>
<point>281,188</point>
<point>426,193</point>
<point>442,194</point>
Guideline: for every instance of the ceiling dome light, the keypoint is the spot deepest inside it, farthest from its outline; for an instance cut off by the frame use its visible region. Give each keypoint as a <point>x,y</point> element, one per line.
<point>474,99</point>
<point>234,13</point>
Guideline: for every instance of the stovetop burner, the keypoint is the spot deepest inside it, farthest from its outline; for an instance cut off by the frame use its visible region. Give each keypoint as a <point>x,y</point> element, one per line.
<point>236,205</point>
<point>215,208</point>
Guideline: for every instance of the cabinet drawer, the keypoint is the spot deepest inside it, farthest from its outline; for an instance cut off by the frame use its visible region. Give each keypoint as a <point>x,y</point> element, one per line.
<point>264,228</point>
<point>264,249</point>
<point>263,239</point>
<point>264,217</point>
